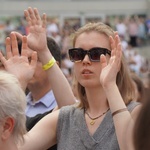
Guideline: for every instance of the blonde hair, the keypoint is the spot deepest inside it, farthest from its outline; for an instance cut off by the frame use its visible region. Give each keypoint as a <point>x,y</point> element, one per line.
<point>124,81</point>
<point>13,104</point>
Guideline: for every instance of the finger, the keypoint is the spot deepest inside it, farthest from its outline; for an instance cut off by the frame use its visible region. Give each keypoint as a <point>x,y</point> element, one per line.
<point>37,15</point>
<point>119,46</point>
<point>112,44</point>
<point>18,35</point>
<point>28,19</point>
<point>116,38</point>
<point>118,42</point>
<point>103,61</point>
<point>14,44</point>
<point>34,59</point>
<point>24,46</point>
<point>32,16</point>
<point>19,39</point>
<point>2,58</point>
<point>8,48</point>
<point>116,59</point>
<point>44,20</point>
<point>119,53</point>
<point>120,49</point>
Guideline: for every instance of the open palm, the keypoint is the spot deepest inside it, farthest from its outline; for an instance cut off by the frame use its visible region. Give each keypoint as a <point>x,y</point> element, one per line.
<point>17,64</point>
<point>111,68</point>
<point>37,26</point>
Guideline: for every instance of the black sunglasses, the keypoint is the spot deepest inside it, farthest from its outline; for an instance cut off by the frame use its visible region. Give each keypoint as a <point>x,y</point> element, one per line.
<point>78,54</point>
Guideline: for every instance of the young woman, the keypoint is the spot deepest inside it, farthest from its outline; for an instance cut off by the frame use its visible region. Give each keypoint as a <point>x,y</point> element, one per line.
<point>106,110</point>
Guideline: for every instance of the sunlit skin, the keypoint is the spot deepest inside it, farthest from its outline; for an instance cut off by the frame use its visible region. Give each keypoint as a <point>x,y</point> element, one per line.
<point>87,72</point>
<point>88,75</point>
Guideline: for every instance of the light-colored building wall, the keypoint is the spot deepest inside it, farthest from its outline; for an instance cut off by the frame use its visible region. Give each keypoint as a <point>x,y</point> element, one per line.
<point>58,7</point>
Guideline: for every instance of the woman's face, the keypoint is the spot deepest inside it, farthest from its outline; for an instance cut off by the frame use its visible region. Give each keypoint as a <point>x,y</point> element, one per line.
<point>87,72</point>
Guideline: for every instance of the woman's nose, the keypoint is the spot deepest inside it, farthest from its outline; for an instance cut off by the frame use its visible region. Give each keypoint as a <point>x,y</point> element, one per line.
<point>86,59</point>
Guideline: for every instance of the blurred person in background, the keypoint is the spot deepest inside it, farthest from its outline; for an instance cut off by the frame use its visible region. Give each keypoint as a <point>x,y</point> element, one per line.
<point>9,27</point>
<point>52,27</point>
<point>12,96</point>
<point>12,112</point>
<point>11,58</point>
<point>121,28</point>
<point>40,98</point>
<point>132,29</point>
<point>141,32</point>
<point>141,135</point>
<point>147,22</point>
<point>66,43</point>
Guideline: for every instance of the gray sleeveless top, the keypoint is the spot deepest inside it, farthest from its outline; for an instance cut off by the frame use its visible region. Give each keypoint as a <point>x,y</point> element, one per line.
<point>73,134</point>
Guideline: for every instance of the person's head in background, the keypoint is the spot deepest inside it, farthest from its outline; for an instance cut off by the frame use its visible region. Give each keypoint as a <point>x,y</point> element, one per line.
<point>12,111</point>
<point>40,76</point>
<point>53,47</point>
<point>126,88</point>
<point>141,134</point>
<point>139,88</point>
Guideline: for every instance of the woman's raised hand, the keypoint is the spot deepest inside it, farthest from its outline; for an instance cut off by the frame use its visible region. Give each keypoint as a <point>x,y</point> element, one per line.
<point>111,67</point>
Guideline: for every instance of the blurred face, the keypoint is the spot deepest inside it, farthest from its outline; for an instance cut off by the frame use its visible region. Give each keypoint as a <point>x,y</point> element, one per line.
<point>40,76</point>
<point>87,72</point>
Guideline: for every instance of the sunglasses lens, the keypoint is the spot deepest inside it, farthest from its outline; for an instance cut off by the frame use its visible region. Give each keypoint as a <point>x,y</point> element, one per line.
<point>95,54</point>
<point>76,54</point>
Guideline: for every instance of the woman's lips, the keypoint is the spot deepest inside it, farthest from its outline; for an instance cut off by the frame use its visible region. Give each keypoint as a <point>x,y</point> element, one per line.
<point>86,72</point>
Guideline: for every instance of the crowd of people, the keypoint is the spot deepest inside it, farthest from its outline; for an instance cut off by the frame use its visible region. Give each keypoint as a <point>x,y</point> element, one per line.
<point>101,104</point>
<point>134,32</point>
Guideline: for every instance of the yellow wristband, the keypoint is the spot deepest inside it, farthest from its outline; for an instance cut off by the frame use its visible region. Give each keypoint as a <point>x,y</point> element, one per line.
<point>49,64</point>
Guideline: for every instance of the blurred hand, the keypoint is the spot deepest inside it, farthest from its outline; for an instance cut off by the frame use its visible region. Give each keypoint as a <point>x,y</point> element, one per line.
<point>18,64</point>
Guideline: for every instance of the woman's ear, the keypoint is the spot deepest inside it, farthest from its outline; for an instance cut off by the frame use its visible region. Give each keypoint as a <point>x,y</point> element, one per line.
<point>7,128</point>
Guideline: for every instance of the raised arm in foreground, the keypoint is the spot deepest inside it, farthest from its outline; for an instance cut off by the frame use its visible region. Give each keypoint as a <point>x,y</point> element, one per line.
<point>37,41</point>
<point>123,121</point>
<point>43,134</point>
